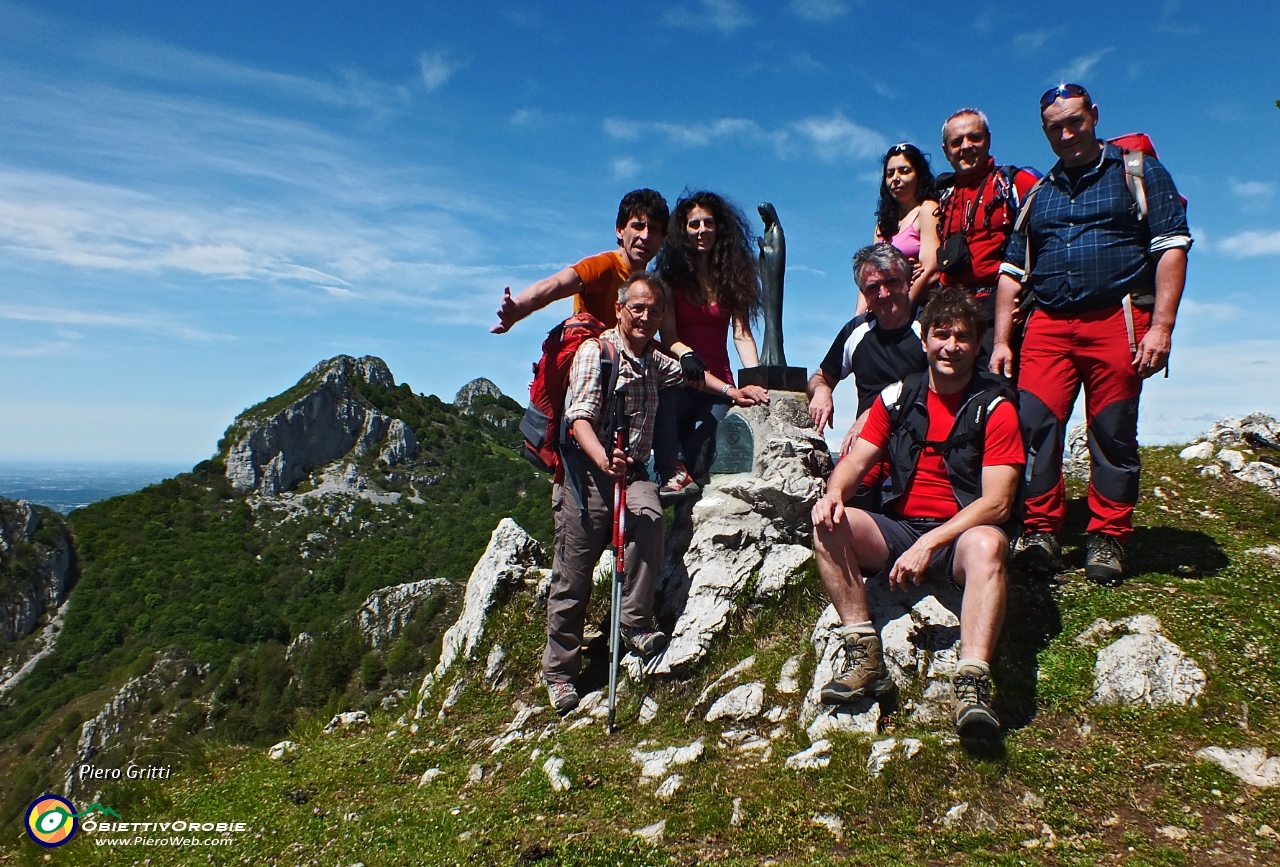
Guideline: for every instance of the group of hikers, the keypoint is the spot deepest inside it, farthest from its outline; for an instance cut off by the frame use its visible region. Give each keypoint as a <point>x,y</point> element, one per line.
<point>989,297</point>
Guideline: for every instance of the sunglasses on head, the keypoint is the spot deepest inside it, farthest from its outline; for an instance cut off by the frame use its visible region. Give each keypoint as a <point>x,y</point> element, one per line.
<point>900,148</point>
<point>1063,91</point>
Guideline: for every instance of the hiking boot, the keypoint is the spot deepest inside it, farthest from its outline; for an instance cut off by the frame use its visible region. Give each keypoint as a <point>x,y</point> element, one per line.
<point>859,668</point>
<point>1039,554</point>
<point>1103,560</point>
<point>564,696</point>
<point>642,642</point>
<point>677,484</point>
<point>971,704</point>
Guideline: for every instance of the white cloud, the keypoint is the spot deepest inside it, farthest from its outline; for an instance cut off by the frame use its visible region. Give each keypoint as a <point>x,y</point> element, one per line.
<point>1031,40</point>
<point>837,137</point>
<point>685,135</point>
<point>155,324</point>
<point>1252,243</point>
<point>436,68</point>
<point>1219,312</point>
<point>625,167</point>
<point>1080,67</point>
<point>1252,189</point>
<point>817,10</point>
<point>723,15</point>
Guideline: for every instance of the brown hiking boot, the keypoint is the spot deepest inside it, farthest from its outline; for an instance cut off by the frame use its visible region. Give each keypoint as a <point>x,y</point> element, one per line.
<point>859,668</point>
<point>971,704</point>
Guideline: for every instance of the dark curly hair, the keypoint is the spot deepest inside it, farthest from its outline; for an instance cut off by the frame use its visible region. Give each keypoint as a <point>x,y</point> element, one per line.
<point>926,189</point>
<point>953,305</point>
<point>733,266</point>
<point>646,203</point>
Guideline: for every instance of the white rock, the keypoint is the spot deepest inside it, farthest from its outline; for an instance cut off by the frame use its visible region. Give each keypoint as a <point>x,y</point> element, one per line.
<point>1198,452</point>
<point>386,612</point>
<point>401,444</point>
<point>347,720</point>
<point>1271,552</point>
<point>740,703</point>
<point>652,834</point>
<point>656,763</point>
<point>780,564</point>
<point>882,752</point>
<point>1232,458</point>
<point>282,749</point>
<point>511,555</point>
<point>1211,471</point>
<point>1250,764</point>
<point>860,717</point>
<point>475,774</point>
<point>648,710</point>
<point>789,677</point>
<point>1231,431</point>
<point>818,755</point>
<point>955,814</point>
<point>667,790</point>
<point>1075,460</point>
<point>495,663</point>
<point>1263,475</point>
<point>733,672</point>
<point>777,713</point>
<point>1145,669</point>
<point>428,775</point>
<point>451,698</point>
<point>834,824</point>
<point>737,818</point>
<point>552,767</point>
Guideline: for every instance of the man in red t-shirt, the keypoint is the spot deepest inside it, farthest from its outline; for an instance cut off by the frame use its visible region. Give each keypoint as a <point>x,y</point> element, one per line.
<point>955,456</point>
<point>594,282</point>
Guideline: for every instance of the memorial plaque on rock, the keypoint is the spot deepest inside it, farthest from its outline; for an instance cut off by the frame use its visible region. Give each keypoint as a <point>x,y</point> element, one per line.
<point>735,446</point>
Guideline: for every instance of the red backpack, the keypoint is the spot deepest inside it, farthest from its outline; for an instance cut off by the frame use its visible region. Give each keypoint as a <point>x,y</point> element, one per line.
<point>543,423</point>
<point>1136,145</point>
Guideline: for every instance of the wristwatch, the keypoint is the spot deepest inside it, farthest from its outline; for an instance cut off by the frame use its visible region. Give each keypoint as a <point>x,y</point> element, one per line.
<point>724,392</point>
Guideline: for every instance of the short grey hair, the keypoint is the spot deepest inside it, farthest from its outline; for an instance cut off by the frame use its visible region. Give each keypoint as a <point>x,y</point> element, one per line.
<point>979,114</point>
<point>650,279</point>
<point>884,259</point>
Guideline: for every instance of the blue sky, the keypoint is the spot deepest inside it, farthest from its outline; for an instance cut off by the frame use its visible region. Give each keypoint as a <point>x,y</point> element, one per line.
<point>199,203</point>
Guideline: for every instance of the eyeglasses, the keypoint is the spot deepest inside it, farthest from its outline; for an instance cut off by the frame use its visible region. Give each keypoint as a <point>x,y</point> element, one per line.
<point>642,309</point>
<point>1064,91</point>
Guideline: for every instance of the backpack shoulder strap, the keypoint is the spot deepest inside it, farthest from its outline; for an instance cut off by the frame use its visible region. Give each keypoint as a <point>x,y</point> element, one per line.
<point>1020,224</point>
<point>1133,176</point>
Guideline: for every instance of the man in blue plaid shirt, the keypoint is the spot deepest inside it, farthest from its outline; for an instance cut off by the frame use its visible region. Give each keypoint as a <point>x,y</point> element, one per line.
<point>1106,272</point>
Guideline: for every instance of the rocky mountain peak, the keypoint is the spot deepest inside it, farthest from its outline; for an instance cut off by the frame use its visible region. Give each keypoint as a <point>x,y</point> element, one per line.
<point>370,368</point>
<point>473,389</point>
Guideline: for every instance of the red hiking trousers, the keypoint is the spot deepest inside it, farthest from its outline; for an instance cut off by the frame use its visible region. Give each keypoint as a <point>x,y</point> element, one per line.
<point>1060,353</point>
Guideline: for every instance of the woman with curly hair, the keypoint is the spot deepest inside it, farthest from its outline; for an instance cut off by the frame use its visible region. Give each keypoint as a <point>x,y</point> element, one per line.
<point>908,216</point>
<point>709,262</point>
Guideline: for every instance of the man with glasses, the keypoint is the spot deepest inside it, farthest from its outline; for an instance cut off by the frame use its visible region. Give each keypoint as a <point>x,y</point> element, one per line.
<point>1106,273</point>
<point>582,507</point>
<point>877,348</point>
<point>976,211</point>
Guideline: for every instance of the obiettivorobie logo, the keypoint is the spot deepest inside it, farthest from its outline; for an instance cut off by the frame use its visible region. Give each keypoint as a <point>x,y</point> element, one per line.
<point>52,821</point>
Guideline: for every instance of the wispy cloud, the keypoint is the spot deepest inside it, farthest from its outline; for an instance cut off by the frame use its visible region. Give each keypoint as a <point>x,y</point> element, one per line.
<point>727,16</point>
<point>817,10</point>
<point>1252,189</point>
<point>437,68</point>
<point>151,323</point>
<point>832,138</point>
<point>1080,67</point>
<point>625,167</point>
<point>1025,43</point>
<point>836,137</point>
<point>1252,243</point>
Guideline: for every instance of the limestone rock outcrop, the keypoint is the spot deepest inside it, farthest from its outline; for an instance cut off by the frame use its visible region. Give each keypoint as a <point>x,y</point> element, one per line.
<point>511,557</point>
<point>127,721</point>
<point>401,445</point>
<point>40,566</point>
<point>1248,448</point>
<point>1142,667</point>
<point>744,525</point>
<point>473,389</point>
<point>386,612</point>
<point>270,452</point>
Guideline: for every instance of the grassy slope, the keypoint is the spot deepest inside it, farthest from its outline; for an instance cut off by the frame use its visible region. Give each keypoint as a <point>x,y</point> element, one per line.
<point>1109,778</point>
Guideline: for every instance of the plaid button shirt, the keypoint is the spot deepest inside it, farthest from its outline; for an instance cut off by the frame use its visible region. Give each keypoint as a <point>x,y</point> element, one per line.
<point>1089,249</point>
<point>638,378</point>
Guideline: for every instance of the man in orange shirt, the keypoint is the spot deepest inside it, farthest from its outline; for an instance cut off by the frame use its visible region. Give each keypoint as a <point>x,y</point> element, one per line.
<point>594,282</point>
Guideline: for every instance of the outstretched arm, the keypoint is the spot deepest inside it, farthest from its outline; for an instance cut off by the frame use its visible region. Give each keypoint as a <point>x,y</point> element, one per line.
<point>535,296</point>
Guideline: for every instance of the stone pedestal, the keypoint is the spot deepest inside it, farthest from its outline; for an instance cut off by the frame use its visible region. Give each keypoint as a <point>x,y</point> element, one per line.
<point>773,376</point>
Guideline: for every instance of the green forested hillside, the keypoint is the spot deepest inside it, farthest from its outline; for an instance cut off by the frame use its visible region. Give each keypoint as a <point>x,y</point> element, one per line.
<point>191,565</point>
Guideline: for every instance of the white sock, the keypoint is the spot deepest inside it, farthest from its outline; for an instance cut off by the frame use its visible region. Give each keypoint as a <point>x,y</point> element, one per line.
<point>974,663</point>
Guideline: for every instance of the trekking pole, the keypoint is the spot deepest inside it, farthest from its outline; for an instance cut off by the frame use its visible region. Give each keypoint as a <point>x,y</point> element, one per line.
<point>619,542</point>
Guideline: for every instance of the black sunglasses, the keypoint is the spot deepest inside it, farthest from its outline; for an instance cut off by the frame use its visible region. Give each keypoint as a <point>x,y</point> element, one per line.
<point>1064,91</point>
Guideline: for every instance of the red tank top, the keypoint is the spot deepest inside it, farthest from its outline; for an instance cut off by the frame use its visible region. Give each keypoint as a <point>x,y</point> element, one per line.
<point>706,330</point>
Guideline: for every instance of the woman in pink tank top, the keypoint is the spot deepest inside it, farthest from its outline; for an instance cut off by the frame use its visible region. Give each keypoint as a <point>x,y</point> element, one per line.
<point>711,267</point>
<point>908,216</point>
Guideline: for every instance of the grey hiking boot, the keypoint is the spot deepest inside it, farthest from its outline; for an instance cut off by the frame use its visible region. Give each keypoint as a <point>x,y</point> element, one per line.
<point>1039,554</point>
<point>971,704</point>
<point>642,642</point>
<point>859,668</point>
<point>1103,560</point>
<point>564,696</point>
